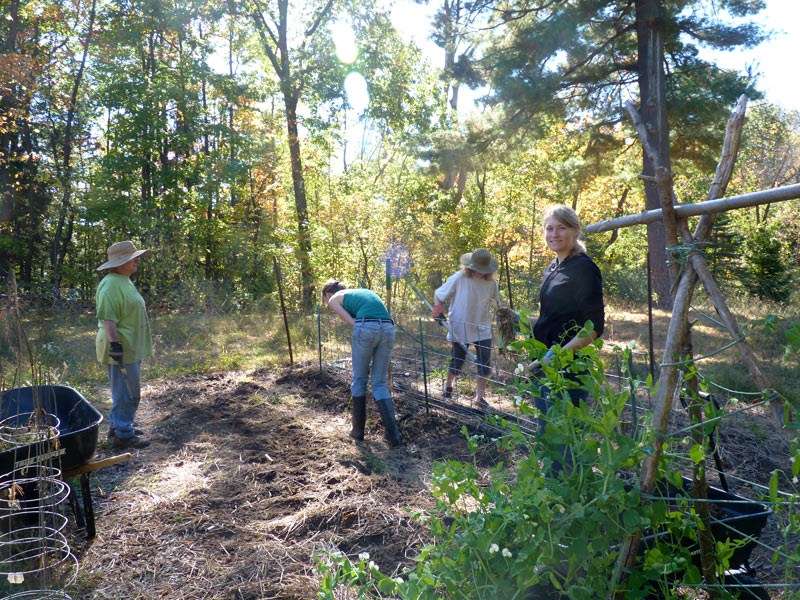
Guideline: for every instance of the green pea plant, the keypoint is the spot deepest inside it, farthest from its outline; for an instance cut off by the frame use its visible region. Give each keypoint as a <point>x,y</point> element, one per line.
<point>527,530</point>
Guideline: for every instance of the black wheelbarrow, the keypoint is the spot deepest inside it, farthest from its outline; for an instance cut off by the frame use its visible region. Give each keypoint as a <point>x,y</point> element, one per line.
<point>75,423</point>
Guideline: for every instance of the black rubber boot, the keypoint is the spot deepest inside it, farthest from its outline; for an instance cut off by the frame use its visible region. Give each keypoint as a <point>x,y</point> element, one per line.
<point>386,410</point>
<point>359,413</point>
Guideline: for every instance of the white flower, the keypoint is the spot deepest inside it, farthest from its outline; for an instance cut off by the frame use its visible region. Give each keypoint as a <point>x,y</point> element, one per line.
<point>493,548</point>
<point>398,580</point>
<point>506,552</point>
<point>794,479</point>
<point>372,566</point>
<point>363,556</point>
<point>520,369</point>
<point>792,459</point>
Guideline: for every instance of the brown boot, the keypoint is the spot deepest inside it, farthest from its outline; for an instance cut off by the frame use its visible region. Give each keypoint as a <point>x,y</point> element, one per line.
<point>136,431</point>
<point>134,442</point>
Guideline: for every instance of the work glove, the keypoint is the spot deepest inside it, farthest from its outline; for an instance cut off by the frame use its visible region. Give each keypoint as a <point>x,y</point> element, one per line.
<point>438,312</point>
<point>547,359</point>
<point>115,352</point>
<point>535,367</point>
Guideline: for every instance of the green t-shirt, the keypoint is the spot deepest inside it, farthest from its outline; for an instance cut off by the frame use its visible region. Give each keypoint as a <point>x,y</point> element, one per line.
<point>118,300</point>
<point>364,304</point>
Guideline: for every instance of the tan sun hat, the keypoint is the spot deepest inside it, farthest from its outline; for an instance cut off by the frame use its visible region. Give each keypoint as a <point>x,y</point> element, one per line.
<point>122,252</point>
<point>479,260</point>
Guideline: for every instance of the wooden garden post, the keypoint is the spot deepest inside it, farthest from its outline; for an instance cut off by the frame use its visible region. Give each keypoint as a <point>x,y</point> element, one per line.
<point>679,333</point>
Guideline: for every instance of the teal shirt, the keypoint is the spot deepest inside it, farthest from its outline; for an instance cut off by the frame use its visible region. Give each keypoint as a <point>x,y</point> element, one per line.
<point>364,304</point>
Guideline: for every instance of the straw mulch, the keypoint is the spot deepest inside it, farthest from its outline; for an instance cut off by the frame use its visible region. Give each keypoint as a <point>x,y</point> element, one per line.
<point>248,475</point>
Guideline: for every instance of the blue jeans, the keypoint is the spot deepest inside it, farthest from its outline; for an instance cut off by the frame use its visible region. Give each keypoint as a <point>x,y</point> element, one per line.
<point>543,402</point>
<point>372,342</point>
<point>124,398</point>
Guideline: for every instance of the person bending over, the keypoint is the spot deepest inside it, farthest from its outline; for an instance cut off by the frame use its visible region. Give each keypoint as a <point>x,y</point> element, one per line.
<point>372,343</point>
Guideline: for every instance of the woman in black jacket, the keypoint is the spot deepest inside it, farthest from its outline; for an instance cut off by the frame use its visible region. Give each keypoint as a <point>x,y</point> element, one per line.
<point>571,294</point>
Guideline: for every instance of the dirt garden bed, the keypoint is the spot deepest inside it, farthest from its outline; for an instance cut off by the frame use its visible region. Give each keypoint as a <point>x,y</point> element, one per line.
<point>249,474</point>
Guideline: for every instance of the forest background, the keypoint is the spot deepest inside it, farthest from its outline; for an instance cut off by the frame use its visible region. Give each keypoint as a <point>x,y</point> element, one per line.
<point>226,135</point>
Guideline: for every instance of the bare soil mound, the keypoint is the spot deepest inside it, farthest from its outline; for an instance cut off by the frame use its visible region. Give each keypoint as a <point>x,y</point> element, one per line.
<point>250,474</point>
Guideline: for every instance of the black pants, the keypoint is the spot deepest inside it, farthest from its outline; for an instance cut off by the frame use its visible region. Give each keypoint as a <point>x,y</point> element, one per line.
<point>483,350</point>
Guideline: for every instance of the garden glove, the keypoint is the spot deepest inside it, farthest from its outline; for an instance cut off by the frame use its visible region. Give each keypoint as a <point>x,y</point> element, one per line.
<point>115,352</point>
<point>547,359</point>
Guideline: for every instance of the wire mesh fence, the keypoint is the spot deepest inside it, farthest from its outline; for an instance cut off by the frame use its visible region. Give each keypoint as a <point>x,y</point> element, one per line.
<point>217,337</point>
<point>419,370</point>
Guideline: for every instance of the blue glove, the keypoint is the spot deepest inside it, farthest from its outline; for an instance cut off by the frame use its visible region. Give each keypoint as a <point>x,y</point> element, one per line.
<point>547,359</point>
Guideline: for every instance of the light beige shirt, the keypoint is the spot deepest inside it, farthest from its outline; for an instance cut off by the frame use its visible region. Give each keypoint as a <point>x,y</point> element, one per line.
<point>472,304</point>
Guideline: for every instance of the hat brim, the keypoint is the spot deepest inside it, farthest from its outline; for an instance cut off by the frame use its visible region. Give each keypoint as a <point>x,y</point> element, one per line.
<point>117,262</point>
<point>466,260</point>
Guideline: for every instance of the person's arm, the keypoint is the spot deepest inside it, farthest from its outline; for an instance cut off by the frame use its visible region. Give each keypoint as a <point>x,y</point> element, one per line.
<point>111,330</point>
<point>438,307</point>
<point>579,341</point>
<point>442,293</point>
<point>115,350</point>
<point>592,305</point>
<point>335,304</point>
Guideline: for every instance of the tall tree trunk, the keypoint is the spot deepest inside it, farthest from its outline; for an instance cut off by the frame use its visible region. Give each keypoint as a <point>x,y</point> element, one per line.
<point>650,35</point>
<point>300,202</point>
<point>59,249</point>
<point>7,102</point>
<point>275,43</point>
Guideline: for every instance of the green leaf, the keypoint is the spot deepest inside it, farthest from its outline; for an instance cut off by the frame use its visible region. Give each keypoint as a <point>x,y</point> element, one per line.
<point>387,585</point>
<point>773,486</point>
<point>630,519</point>
<point>793,335</point>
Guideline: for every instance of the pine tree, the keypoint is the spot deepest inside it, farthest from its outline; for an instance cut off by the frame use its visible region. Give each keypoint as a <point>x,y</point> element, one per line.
<point>767,274</point>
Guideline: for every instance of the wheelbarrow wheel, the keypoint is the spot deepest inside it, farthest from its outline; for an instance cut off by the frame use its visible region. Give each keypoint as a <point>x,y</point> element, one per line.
<point>745,587</point>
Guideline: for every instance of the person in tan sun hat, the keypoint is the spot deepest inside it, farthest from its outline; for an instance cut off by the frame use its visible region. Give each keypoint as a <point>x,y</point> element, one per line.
<point>123,340</point>
<point>471,292</point>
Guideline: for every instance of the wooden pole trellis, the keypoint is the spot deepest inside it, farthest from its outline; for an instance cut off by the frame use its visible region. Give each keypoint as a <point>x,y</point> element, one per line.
<point>779,194</point>
<point>685,280</point>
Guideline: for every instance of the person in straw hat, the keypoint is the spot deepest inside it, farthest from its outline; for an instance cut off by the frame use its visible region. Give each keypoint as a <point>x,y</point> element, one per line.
<point>123,340</point>
<point>472,290</point>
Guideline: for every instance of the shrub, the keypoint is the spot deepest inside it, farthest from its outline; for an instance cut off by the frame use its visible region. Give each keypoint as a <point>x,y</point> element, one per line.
<point>767,274</point>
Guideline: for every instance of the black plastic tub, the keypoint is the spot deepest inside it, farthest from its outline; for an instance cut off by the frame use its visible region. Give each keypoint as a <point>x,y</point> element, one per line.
<point>733,518</point>
<point>77,422</point>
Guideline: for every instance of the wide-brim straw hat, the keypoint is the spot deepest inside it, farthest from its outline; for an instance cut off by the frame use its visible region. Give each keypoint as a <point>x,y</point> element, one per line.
<point>479,260</point>
<point>122,252</point>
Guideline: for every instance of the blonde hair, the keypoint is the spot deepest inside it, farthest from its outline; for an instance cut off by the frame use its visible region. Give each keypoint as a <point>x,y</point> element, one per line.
<point>470,273</point>
<point>566,216</point>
